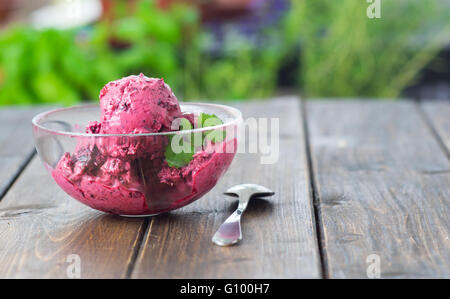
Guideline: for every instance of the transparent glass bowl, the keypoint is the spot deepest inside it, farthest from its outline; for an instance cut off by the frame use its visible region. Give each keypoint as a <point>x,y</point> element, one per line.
<point>128,174</point>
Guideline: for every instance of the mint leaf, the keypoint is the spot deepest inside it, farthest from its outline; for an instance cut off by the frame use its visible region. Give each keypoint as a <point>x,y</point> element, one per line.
<point>177,160</point>
<point>181,148</point>
<point>211,120</point>
<point>183,145</point>
<point>185,124</point>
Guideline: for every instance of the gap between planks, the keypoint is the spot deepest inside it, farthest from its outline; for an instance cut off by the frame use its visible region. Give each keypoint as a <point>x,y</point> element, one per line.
<point>17,148</point>
<point>433,130</point>
<point>314,194</point>
<point>143,230</point>
<point>22,167</point>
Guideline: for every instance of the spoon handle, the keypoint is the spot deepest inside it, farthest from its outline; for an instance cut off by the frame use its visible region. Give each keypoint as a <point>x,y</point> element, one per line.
<point>229,232</point>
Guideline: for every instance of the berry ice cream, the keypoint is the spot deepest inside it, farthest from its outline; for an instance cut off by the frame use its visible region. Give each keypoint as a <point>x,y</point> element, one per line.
<point>137,104</point>
<point>132,174</point>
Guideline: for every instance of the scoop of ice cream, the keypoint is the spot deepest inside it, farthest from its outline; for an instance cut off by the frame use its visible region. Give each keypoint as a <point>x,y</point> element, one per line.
<point>137,104</point>
<point>129,174</point>
<point>134,105</point>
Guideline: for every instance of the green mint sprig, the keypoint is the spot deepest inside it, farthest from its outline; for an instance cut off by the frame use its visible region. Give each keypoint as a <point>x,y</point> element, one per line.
<point>185,143</point>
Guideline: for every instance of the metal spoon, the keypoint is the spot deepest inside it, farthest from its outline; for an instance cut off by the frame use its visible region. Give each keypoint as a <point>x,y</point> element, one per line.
<point>229,232</point>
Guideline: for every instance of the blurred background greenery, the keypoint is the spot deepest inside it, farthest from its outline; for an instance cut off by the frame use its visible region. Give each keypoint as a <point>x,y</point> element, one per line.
<point>223,50</point>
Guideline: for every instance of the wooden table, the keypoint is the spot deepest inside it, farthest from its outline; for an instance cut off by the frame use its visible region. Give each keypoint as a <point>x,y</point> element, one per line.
<point>354,179</point>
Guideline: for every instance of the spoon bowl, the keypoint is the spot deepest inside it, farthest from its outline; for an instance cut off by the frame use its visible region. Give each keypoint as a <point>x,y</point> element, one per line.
<point>254,189</point>
<point>230,231</point>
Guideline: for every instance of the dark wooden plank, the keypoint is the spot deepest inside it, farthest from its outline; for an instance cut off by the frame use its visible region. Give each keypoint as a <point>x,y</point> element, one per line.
<point>16,144</point>
<point>41,226</point>
<point>438,113</point>
<point>383,184</point>
<point>279,238</point>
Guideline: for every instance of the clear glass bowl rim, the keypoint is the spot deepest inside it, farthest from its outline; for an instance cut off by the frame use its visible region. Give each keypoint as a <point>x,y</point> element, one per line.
<point>237,118</point>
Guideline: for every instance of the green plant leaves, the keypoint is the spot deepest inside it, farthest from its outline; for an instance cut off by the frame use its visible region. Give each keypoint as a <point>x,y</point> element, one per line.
<point>346,54</point>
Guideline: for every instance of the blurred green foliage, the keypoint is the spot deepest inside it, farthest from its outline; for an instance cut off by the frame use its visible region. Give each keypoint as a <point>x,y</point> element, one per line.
<point>66,66</point>
<point>346,54</point>
<point>342,53</point>
<point>241,72</point>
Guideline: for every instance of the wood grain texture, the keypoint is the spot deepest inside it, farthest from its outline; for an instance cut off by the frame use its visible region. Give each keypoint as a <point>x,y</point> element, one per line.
<point>279,238</point>
<point>438,113</point>
<point>40,226</point>
<point>16,144</point>
<point>383,184</point>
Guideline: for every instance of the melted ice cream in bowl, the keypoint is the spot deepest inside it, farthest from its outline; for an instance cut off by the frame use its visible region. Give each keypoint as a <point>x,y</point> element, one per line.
<point>140,152</point>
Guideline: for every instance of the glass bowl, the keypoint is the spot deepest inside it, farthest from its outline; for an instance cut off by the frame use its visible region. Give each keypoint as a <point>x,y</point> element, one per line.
<point>136,174</point>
